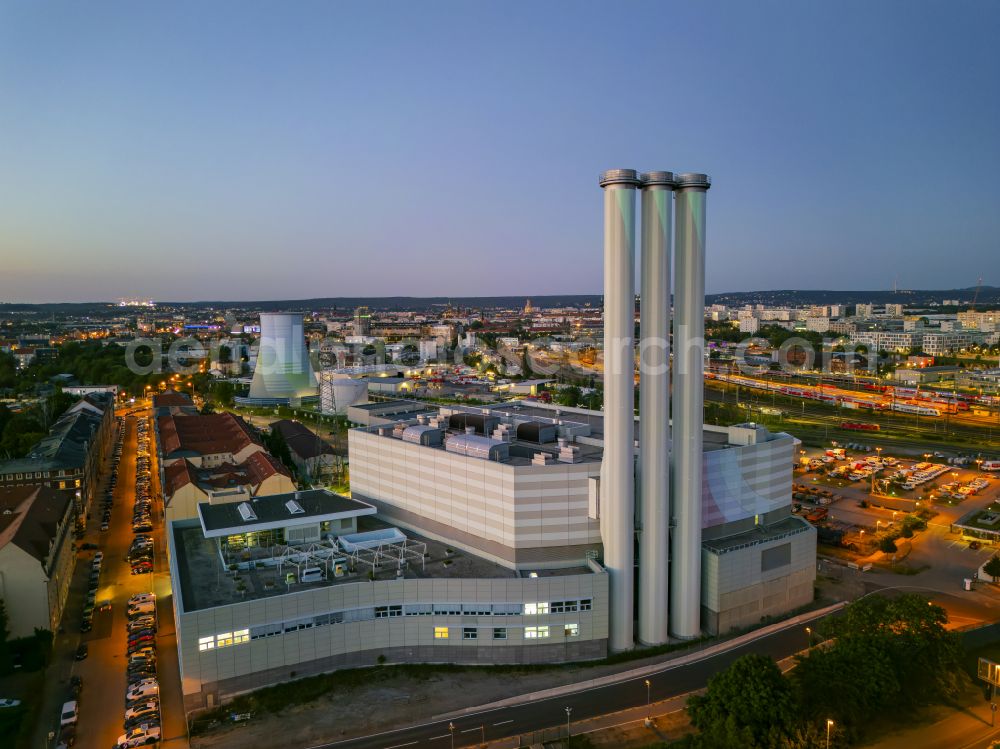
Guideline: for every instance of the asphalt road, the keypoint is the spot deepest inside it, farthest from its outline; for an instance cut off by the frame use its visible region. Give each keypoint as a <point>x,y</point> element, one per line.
<point>672,681</point>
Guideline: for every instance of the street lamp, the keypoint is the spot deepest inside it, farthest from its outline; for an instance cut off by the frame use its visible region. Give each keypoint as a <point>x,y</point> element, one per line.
<point>829,725</point>
<point>568,711</point>
<point>809,636</point>
<point>649,718</point>
<point>451,728</point>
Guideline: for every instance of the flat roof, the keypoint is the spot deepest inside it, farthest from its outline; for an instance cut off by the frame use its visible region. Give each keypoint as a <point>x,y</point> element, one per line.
<point>278,511</point>
<point>758,535</point>
<point>199,567</point>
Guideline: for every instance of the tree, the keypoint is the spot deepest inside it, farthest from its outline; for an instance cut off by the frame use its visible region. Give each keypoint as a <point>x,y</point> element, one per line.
<point>926,657</point>
<point>20,434</point>
<point>992,567</point>
<point>569,396</point>
<point>750,704</point>
<point>887,544</point>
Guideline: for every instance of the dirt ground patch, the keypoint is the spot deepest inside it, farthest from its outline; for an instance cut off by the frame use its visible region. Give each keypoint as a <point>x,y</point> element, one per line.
<point>385,703</point>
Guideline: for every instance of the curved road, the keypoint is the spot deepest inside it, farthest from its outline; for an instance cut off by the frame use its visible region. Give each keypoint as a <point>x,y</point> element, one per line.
<point>502,722</point>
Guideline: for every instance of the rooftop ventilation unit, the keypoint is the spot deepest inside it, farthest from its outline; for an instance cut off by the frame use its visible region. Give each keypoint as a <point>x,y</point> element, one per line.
<point>423,434</point>
<point>476,446</point>
<point>246,512</point>
<point>293,507</point>
<point>541,459</point>
<point>536,431</point>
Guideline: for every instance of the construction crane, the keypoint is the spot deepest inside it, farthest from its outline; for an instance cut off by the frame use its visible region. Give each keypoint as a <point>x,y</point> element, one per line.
<point>975,297</point>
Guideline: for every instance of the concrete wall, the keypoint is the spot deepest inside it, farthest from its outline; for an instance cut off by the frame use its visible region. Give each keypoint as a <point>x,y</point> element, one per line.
<point>24,589</point>
<point>210,676</point>
<point>738,590</point>
<point>496,509</point>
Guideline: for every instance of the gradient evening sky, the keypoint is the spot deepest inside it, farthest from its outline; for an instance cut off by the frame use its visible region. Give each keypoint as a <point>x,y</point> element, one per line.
<point>247,150</point>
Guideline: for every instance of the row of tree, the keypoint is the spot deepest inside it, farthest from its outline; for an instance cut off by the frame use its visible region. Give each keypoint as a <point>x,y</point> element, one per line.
<point>880,657</point>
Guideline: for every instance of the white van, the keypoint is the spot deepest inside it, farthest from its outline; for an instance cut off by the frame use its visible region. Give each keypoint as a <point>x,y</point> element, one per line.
<point>141,610</point>
<point>311,575</point>
<point>68,714</point>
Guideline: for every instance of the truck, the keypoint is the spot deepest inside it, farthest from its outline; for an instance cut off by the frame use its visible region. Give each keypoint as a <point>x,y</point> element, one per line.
<point>817,515</point>
<point>990,465</point>
<point>837,453</point>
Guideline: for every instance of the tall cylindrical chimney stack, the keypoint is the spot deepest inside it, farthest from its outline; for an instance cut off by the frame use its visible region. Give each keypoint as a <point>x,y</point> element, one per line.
<point>654,407</point>
<point>687,444</point>
<point>617,469</point>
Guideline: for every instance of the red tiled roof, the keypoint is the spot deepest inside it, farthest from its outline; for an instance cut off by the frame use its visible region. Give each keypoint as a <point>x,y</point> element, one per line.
<point>205,435</point>
<point>261,466</point>
<point>171,398</point>
<point>257,468</point>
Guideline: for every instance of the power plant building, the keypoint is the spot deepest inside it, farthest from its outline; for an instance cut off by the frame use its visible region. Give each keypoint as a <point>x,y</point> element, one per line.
<point>508,533</point>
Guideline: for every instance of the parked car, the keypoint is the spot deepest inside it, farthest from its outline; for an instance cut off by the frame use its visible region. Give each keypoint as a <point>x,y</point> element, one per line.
<point>81,652</point>
<point>67,736</point>
<point>142,689</point>
<point>69,713</point>
<point>9,703</point>
<point>141,707</point>
<point>138,736</point>
<point>148,719</point>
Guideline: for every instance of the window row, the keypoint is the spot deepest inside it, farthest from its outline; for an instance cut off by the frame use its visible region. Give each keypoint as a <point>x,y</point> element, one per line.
<point>500,633</point>
<point>418,609</point>
<point>224,640</point>
<point>558,607</point>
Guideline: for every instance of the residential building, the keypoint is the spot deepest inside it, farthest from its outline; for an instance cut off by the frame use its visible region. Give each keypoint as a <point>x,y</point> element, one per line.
<point>185,484</point>
<point>313,456</point>
<point>36,556</point>
<point>206,440</point>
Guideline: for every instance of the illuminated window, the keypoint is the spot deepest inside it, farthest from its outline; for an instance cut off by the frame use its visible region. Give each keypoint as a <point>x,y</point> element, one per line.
<point>536,608</point>
<point>206,643</point>
<point>241,635</point>
<point>440,633</point>
<point>224,640</point>
<point>571,630</point>
<point>533,633</point>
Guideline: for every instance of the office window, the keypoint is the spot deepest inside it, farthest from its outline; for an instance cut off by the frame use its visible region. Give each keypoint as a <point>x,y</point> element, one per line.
<point>383,612</point>
<point>499,633</point>
<point>571,630</point>
<point>585,604</point>
<point>534,633</point>
<point>224,640</point>
<point>536,608</point>
<point>440,633</point>
<point>206,643</point>
<point>241,635</point>
<point>470,633</point>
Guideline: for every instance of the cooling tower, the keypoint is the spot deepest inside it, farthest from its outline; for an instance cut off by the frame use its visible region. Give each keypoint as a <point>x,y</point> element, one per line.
<point>283,369</point>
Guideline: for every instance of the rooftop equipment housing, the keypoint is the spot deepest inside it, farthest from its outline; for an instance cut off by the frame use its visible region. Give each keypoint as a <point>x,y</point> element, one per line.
<point>477,446</point>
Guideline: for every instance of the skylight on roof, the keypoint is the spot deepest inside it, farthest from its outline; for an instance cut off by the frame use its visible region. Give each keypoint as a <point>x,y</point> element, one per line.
<point>246,512</point>
<point>293,507</point>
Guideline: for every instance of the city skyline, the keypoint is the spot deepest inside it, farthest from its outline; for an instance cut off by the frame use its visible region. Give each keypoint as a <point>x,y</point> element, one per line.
<point>247,152</point>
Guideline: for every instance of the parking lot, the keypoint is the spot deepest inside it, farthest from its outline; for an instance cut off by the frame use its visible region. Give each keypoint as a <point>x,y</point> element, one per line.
<point>851,520</point>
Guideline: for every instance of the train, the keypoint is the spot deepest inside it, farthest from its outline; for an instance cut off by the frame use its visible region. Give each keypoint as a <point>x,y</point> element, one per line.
<point>860,426</point>
<point>901,400</point>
